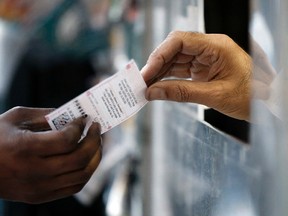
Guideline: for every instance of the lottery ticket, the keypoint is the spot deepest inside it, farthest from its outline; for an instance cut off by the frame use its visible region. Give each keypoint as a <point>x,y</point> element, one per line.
<point>109,103</point>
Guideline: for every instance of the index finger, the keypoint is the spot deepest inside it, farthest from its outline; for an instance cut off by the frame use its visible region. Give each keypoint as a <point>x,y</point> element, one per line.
<point>57,142</point>
<point>167,52</point>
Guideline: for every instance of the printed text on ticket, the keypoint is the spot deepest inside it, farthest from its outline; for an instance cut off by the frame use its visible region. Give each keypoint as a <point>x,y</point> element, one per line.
<point>109,103</point>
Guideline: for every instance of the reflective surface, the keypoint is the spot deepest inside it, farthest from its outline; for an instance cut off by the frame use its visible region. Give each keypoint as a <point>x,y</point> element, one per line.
<point>198,170</point>
<point>269,134</point>
<point>192,168</point>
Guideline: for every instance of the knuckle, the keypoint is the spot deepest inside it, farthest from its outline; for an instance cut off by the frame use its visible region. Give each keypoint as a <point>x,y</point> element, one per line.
<point>188,34</point>
<point>224,37</point>
<point>174,33</point>
<point>182,93</point>
<point>227,41</point>
<point>17,110</point>
<point>157,55</point>
<point>15,113</point>
<point>220,37</point>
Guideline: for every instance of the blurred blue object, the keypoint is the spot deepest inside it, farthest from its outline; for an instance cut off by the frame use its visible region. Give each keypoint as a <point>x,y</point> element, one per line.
<point>67,30</point>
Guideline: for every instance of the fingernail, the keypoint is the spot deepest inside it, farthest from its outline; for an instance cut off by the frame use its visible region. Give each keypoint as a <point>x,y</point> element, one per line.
<point>156,94</point>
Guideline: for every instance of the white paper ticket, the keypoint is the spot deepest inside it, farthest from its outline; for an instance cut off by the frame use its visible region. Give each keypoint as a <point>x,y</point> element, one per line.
<point>109,103</point>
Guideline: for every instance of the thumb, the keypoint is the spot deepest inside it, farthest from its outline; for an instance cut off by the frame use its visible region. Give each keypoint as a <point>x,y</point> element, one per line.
<point>205,93</point>
<point>28,117</point>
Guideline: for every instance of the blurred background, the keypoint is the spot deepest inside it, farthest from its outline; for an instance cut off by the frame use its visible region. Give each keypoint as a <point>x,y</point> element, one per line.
<point>171,158</point>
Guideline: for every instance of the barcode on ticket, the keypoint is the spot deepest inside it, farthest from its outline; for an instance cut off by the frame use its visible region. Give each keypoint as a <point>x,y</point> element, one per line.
<point>60,121</point>
<point>109,103</point>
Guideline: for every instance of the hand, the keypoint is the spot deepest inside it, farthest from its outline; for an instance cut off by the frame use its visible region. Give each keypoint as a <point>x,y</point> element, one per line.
<point>220,71</point>
<point>39,165</point>
<point>263,72</point>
